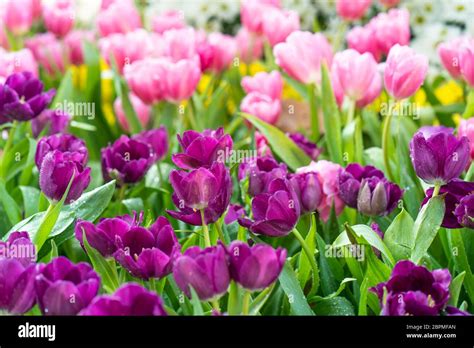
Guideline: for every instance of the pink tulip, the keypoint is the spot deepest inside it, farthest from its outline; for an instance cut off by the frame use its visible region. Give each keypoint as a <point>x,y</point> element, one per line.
<point>168,20</point>
<point>36,9</point>
<point>355,74</point>
<point>466,62</point>
<point>127,48</point>
<point>362,40</point>
<point>142,110</point>
<point>466,128</point>
<point>18,16</point>
<point>180,79</point>
<point>59,17</point>
<point>405,71</point>
<point>118,17</point>
<point>328,175</point>
<point>351,10</point>
<point>389,3</point>
<point>48,51</point>
<point>302,54</point>
<point>252,13</point>
<point>180,43</point>
<point>205,50</point>
<point>224,50</point>
<point>74,42</point>
<point>278,24</point>
<point>270,84</point>
<point>250,46</point>
<point>261,106</point>
<point>145,79</point>
<point>18,61</point>
<point>391,28</point>
<point>449,54</point>
<point>261,143</point>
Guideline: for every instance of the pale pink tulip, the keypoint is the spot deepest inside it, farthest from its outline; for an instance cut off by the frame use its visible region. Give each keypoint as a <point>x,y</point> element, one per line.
<point>391,28</point>
<point>142,110</point>
<point>17,61</point>
<point>252,13</point>
<point>250,46</point>
<point>270,84</point>
<point>180,43</point>
<point>36,9</point>
<point>278,24</point>
<point>261,143</point>
<point>351,10</point>
<point>466,61</point>
<point>224,50</point>
<point>466,128</point>
<point>180,79</point>
<point>59,17</point>
<point>75,42</point>
<point>362,40</point>
<point>261,106</point>
<point>355,74</point>
<point>168,20</point>
<point>18,16</point>
<point>118,17</point>
<point>48,51</point>
<point>449,54</point>
<point>302,54</point>
<point>145,79</point>
<point>405,71</point>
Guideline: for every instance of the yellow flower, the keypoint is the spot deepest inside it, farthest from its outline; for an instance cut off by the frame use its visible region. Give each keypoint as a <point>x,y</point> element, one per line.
<point>107,92</point>
<point>449,93</point>
<point>79,76</point>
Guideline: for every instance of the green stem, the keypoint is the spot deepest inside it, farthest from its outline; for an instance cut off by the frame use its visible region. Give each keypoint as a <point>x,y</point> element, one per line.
<point>314,112</point>
<point>191,118</point>
<point>160,173</point>
<point>246,303</point>
<point>205,229</point>
<point>436,189</point>
<point>309,255</point>
<point>215,305</point>
<point>350,111</point>
<point>469,111</point>
<point>7,147</point>
<point>220,232</point>
<point>385,140</point>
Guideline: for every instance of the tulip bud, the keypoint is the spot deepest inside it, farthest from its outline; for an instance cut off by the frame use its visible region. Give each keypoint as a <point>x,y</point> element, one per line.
<point>466,57</point>
<point>308,190</point>
<point>261,106</point>
<point>466,129</point>
<point>378,197</point>
<point>350,180</point>
<point>270,84</point>
<point>59,17</point>
<point>352,9</point>
<point>277,24</point>
<point>75,148</point>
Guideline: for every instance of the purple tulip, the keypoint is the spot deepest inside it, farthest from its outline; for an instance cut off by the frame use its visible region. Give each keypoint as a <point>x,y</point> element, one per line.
<point>127,160</point>
<point>204,270</point>
<point>57,170</point>
<point>22,97</point>
<point>453,311</point>
<point>56,121</point>
<point>414,290</point>
<point>255,268</point>
<point>261,171</point>
<point>64,288</point>
<point>202,149</point>
<point>304,144</point>
<point>308,190</point>
<point>66,143</point>
<point>453,193</point>
<point>102,236</point>
<point>378,197</point>
<point>376,228</point>
<point>275,212</point>
<point>148,253</point>
<point>208,189</point>
<point>233,213</point>
<point>439,157</point>
<point>157,139</point>
<point>350,179</point>
<point>465,211</point>
<point>17,274</point>
<point>130,299</point>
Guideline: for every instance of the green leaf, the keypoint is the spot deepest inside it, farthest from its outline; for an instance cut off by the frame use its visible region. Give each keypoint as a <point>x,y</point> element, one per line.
<point>304,269</point>
<point>18,157</point>
<point>341,288</point>
<point>9,204</point>
<point>426,227</point>
<point>455,289</point>
<point>30,199</point>
<point>105,268</point>
<point>461,261</point>
<point>196,303</point>
<point>283,146</point>
<point>364,287</point>
<point>292,289</point>
<point>399,236</point>
<point>334,306</point>
<point>332,118</point>
<point>134,204</point>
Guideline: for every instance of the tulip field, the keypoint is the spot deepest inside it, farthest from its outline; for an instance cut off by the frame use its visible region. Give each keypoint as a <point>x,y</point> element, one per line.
<point>267,161</point>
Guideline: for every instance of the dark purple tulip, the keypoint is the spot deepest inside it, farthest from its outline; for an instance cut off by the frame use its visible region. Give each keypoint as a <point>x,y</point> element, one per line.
<point>208,189</point>
<point>453,192</point>
<point>56,172</point>
<point>148,253</point>
<point>130,299</point>
<point>127,160</point>
<point>255,267</point>
<point>350,179</point>
<point>18,246</point>
<point>261,171</point>
<point>233,213</point>
<point>304,144</point>
<point>378,197</point>
<point>414,290</point>
<point>276,212</point>
<point>308,190</point>
<point>439,157</point>
<point>65,288</point>
<point>465,211</point>
<point>202,149</point>
<point>380,233</point>
<point>157,139</point>
<point>66,143</point>
<point>56,121</point>
<point>205,270</point>
<point>22,97</point>
<point>103,235</point>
